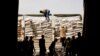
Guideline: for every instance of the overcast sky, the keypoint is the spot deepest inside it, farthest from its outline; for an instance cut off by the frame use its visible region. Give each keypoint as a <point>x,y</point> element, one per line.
<point>55,6</point>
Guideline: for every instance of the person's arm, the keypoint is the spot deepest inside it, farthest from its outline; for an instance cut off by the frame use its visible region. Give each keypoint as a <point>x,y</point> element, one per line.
<point>39,42</point>
<point>33,46</point>
<point>34,49</point>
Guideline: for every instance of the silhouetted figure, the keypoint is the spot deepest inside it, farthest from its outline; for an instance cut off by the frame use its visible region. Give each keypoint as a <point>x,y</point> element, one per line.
<point>42,46</point>
<point>26,45</point>
<point>46,13</point>
<point>68,47</point>
<point>62,35</point>
<point>73,46</point>
<point>20,49</point>
<point>52,48</point>
<point>79,43</point>
<point>31,46</point>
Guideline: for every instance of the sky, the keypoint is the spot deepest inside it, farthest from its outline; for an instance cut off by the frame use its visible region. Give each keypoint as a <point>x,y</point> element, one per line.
<point>55,6</point>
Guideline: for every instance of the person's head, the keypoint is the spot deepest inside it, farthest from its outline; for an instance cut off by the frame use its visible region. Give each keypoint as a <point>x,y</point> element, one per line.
<point>26,38</point>
<point>31,38</point>
<point>73,37</point>
<point>42,36</point>
<point>79,34</point>
<point>68,38</point>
